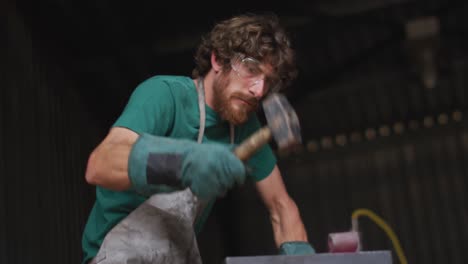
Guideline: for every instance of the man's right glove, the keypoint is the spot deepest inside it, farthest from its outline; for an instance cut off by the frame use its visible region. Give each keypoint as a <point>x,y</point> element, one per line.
<point>296,248</point>
<point>161,164</point>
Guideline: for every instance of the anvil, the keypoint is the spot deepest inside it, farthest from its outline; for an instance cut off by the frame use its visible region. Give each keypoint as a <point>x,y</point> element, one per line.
<point>363,257</point>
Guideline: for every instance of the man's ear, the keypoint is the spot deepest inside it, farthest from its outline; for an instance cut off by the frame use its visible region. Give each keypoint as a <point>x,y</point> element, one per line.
<point>214,63</point>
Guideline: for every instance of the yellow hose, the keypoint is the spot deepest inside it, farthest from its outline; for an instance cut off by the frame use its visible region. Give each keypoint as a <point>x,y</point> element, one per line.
<point>382,224</point>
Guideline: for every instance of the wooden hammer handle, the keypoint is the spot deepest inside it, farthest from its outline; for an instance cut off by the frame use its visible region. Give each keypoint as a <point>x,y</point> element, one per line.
<point>253,143</point>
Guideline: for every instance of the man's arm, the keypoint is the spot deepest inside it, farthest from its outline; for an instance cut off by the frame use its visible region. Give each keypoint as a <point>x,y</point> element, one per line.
<point>148,163</point>
<point>108,163</point>
<point>284,214</point>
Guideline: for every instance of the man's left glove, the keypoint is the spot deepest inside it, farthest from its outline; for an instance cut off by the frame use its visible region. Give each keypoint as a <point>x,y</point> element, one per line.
<point>160,164</point>
<point>296,248</point>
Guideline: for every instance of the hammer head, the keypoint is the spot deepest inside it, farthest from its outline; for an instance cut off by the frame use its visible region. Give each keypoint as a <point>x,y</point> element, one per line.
<point>282,121</point>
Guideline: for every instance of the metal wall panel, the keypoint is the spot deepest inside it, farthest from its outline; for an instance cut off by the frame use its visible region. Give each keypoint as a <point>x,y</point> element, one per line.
<point>46,136</point>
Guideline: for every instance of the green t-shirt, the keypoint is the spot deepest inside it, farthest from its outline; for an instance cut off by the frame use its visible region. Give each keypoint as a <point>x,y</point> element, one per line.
<point>166,106</point>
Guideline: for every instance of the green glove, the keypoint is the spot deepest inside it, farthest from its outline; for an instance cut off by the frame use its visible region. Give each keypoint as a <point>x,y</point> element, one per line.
<point>296,248</point>
<point>160,164</point>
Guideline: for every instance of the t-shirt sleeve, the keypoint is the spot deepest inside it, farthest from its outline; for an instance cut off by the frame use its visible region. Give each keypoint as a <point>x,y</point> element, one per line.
<point>150,108</point>
<point>264,160</point>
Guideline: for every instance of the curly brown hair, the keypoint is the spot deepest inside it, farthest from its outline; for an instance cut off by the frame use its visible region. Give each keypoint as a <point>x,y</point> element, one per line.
<point>257,36</point>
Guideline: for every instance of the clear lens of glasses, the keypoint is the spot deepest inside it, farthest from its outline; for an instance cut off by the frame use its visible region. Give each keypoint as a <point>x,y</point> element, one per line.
<point>249,70</point>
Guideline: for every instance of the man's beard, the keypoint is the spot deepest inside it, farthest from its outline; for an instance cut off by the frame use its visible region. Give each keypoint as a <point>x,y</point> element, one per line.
<point>222,102</point>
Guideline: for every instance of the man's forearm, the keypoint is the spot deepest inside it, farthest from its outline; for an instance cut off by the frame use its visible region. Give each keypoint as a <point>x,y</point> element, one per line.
<point>286,222</point>
<point>289,232</point>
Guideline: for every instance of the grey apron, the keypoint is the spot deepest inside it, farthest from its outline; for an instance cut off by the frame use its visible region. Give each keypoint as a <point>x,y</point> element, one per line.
<point>160,230</point>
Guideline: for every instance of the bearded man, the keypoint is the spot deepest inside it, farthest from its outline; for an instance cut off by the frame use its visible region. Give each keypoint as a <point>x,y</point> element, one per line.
<point>239,62</point>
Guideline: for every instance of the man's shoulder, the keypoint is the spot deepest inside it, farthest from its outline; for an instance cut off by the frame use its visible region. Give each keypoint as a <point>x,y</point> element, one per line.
<point>167,80</point>
<point>165,84</point>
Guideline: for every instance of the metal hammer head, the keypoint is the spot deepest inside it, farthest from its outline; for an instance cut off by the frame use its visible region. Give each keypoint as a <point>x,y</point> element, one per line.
<point>282,121</point>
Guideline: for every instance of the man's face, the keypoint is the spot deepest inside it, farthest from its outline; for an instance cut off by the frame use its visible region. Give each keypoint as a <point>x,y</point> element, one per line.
<point>237,92</point>
<point>232,100</point>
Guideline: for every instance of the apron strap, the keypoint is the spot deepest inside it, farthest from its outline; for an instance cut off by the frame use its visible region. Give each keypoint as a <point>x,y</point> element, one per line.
<point>201,107</point>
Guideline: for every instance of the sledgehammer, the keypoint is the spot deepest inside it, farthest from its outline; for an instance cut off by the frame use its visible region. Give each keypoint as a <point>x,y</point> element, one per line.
<point>282,125</point>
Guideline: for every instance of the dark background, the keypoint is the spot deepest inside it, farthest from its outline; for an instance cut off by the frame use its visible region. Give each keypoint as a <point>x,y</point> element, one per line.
<point>378,133</point>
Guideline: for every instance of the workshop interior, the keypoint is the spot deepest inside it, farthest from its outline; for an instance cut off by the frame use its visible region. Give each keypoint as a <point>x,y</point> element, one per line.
<point>381,96</point>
